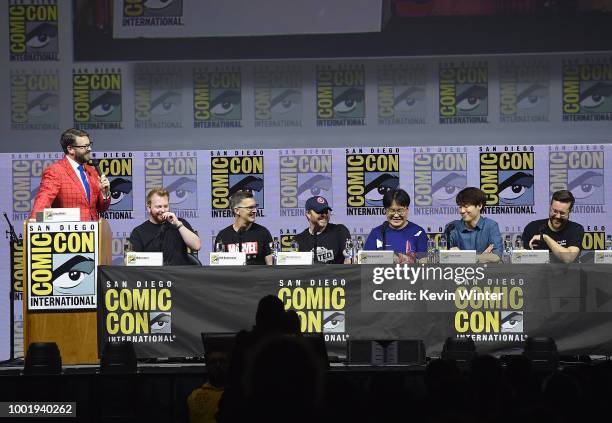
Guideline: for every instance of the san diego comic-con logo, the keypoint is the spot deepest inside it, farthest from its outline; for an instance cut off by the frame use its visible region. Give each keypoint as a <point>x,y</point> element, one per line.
<point>33,30</point>
<point>138,312</point>
<point>340,95</point>
<point>217,97</point>
<point>97,99</point>
<point>62,263</point>
<point>524,91</point>
<point>581,170</point>
<point>464,92</point>
<point>303,175</point>
<point>286,238</point>
<point>369,175</point>
<point>233,171</point>
<point>594,238</point>
<point>158,98</point>
<point>319,304</point>
<point>439,174</point>
<point>177,173</point>
<point>278,96</point>
<point>587,89</point>
<point>402,94</point>
<point>488,318</point>
<point>152,13</point>
<point>118,168</point>
<point>27,170</point>
<point>34,99</point>
<point>507,178</point>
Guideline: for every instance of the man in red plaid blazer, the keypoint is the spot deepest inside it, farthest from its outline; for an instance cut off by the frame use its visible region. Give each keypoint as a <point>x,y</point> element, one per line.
<point>70,182</point>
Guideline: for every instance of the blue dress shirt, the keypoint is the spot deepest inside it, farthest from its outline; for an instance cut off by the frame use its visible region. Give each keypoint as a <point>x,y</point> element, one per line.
<point>485,233</point>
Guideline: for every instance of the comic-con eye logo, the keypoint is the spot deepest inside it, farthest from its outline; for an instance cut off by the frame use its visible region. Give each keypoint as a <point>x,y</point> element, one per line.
<point>26,181</point>
<point>97,99</point>
<point>34,100</point>
<point>401,94</point>
<point>33,31</point>
<point>157,99</point>
<point>302,177</point>
<point>61,271</point>
<point>508,180</point>
<point>278,97</point>
<point>217,98</point>
<point>178,176</point>
<point>438,177</point>
<point>582,173</point>
<point>369,178</point>
<point>340,95</point>
<point>587,90</point>
<point>232,174</point>
<point>524,92</point>
<point>512,321</point>
<point>464,93</point>
<point>152,12</point>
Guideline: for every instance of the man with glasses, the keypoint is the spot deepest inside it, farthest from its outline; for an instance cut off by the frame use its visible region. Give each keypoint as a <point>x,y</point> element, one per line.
<point>330,238</point>
<point>407,239</point>
<point>557,234</point>
<point>244,235</point>
<point>473,231</point>
<point>71,182</point>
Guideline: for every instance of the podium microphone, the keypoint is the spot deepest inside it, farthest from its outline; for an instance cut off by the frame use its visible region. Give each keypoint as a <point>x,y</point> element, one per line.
<point>383,231</point>
<point>11,231</point>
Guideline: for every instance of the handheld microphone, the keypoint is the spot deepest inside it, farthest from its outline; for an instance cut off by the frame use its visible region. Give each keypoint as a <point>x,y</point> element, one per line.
<point>96,163</point>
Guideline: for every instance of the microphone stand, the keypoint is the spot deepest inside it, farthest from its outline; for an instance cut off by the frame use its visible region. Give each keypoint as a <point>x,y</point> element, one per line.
<point>13,239</point>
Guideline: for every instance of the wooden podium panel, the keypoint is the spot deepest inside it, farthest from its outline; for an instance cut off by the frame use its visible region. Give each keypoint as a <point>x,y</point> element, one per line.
<point>74,331</point>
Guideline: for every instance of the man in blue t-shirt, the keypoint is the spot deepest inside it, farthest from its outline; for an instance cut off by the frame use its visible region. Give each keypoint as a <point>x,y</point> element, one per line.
<point>406,239</point>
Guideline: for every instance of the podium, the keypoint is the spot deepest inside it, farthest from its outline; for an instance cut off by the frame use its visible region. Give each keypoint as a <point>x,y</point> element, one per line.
<point>60,298</point>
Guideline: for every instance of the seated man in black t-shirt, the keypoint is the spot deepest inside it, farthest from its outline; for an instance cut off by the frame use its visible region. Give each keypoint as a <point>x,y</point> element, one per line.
<point>244,235</point>
<point>557,233</point>
<point>164,232</point>
<point>330,238</point>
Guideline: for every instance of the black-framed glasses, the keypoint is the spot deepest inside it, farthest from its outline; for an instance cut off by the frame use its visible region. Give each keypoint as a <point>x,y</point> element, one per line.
<point>249,208</point>
<point>561,214</point>
<point>85,146</point>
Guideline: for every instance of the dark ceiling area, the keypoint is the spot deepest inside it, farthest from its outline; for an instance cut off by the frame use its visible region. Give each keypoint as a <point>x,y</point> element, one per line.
<point>560,29</point>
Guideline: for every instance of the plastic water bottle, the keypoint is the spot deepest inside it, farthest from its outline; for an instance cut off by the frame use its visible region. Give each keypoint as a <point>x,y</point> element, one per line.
<point>518,242</point>
<point>442,243</point>
<point>507,249</point>
<point>608,243</point>
<point>275,249</point>
<point>431,250</point>
<point>219,247</point>
<point>348,250</point>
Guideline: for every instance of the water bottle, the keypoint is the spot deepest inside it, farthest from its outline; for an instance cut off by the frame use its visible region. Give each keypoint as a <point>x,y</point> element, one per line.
<point>358,248</point>
<point>348,250</point>
<point>518,242</point>
<point>127,248</point>
<point>431,250</point>
<point>608,243</point>
<point>294,245</point>
<point>275,249</point>
<point>507,249</point>
<point>219,247</point>
<point>442,243</point>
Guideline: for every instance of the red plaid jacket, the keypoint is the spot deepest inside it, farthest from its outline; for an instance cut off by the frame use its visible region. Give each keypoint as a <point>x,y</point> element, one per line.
<point>61,187</point>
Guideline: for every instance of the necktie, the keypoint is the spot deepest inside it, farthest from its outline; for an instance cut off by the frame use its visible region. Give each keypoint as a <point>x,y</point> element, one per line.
<point>85,183</point>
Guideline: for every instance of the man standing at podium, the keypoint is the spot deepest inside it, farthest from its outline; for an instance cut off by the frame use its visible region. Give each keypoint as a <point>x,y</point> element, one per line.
<point>71,182</point>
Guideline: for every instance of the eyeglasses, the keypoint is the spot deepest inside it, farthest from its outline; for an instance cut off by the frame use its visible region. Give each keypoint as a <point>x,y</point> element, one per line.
<point>400,211</point>
<point>85,146</point>
<point>249,208</point>
<point>560,213</point>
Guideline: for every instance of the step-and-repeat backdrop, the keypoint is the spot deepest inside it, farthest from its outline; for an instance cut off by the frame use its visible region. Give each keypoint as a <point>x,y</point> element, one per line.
<point>519,127</point>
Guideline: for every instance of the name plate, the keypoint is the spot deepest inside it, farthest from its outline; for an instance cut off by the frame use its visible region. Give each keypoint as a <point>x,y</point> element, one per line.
<point>603,257</point>
<point>133,258</point>
<point>227,259</point>
<point>375,257</point>
<point>530,256</point>
<point>69,214</point>
<point>457,256</point>
<point>286,258</point>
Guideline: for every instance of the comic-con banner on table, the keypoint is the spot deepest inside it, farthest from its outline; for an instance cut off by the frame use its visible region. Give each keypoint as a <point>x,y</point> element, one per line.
<point>17,270</point>
<point>164,310</point>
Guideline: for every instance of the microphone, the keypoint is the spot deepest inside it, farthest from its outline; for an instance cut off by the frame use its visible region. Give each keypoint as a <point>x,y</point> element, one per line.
<point>96,163</point>
<point>383,231</point>
<point>315,229</point>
